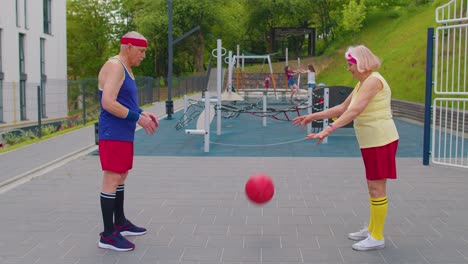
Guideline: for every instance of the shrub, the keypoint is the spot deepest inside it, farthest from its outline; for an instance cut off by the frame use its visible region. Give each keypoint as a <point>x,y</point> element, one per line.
<point>48,129</point>
<point>11,137</point>
<point>17,136</point>
<point>70,122</point>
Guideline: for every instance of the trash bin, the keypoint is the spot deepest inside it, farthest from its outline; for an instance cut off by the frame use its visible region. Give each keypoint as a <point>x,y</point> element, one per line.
<point>96,133</point>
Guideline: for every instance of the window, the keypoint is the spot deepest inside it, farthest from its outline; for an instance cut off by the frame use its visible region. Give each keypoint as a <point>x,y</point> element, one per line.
<point>43,79</point>
<point>47,16</point>
<point>23,76</point>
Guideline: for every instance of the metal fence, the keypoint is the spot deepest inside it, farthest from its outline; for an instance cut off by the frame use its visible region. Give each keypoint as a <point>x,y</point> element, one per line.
<point>83,96</point>
<point>20,102</point>
<point>67,103</point>
<point>449,118</point>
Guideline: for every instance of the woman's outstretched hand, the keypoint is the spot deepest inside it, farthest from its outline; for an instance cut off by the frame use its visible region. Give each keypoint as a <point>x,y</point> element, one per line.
<point>321,136</point>
<point>302,120</point>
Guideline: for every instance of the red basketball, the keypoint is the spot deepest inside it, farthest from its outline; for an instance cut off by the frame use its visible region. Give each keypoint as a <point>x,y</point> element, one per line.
<point>259,188</point>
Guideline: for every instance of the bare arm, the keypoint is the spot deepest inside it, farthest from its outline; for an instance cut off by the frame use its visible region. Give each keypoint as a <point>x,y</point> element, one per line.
<point>329,113</point>
<point>368,91</point>
<point>336,110</point>
<point>296,72</point>
<point>111,78</point>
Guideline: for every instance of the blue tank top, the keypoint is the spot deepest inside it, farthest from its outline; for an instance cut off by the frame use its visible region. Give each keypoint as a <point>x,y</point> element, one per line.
<point>115,128</point>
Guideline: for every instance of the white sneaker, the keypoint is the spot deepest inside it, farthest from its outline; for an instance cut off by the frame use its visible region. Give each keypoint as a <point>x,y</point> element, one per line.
<point>369,244</point>
<point>359,235</point>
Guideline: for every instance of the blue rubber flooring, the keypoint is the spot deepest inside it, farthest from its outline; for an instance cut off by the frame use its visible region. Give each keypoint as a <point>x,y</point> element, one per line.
<point>245,136</point>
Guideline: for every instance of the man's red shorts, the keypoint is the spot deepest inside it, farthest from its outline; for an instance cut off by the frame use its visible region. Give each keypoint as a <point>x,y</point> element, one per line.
<point>380,162</point>
<point>116,156</point>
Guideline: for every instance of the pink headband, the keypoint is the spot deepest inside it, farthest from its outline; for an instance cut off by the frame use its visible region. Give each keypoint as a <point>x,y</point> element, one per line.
<point>134,42</point>
<point>351,59</point>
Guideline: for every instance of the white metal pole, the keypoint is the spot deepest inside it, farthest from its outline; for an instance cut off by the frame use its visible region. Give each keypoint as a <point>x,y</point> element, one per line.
<point>299,76</point>
<point>219,84</point>
<point>238,53</point>
<point>207,121</point>
<point>286,61</point>
<point>271,74</point>
<point>185,107</point>
<point>326,98</point>
<point>243,62</point>
<point>230,69</point>
<point>269,65</point>
<point>309,108</point>
<point>264,109</point>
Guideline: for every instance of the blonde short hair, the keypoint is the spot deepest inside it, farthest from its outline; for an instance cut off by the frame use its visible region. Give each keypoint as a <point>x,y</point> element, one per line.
<point>366,60</point>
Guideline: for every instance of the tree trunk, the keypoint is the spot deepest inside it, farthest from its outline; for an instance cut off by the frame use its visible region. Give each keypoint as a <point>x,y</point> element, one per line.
<point>198,52</point>
<point>156,68</point>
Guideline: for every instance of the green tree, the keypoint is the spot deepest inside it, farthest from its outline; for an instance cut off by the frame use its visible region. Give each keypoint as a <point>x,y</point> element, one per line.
<point>230,26</point>
<point>152,21</point>
<point>353,17</point>
<point>328,13</point>
<point>124,21</point>
<point>265,15</point>
<point>88,36</point>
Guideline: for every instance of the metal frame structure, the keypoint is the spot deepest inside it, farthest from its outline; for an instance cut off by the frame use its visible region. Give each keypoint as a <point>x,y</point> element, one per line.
<point>450,87</point>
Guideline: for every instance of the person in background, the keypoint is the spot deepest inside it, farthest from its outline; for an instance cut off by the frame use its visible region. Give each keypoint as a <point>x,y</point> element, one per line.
<point>267,81</point>
<point>310,76</point>
<point>290,73</point>
<point>369,106</point>
<point>119,115</point>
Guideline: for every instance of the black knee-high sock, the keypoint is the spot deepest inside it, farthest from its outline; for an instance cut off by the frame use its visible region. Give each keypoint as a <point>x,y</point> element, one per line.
<point>107,209</point>
<point>119,205</point>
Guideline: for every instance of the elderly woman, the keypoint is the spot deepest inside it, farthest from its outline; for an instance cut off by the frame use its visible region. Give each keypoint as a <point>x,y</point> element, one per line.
<point>369,107</point>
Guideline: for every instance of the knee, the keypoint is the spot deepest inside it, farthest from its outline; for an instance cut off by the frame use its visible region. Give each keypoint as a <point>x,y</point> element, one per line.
<point>123,177</point>
<point>375,193</point>
<point>377,190</point>
<point>111,180</point>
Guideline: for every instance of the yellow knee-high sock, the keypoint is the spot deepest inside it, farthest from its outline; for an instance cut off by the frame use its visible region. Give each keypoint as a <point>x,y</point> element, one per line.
<point>370,227</point>
<point>380,208</point>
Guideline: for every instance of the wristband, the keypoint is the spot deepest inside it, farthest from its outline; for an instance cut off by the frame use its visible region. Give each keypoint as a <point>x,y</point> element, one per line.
<point>140,111</point>
<point>332,127</point>
<point>132,116</point>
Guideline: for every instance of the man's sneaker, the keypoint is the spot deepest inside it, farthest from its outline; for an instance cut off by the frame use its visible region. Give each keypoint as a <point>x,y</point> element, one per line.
<point>369,244</point>
<point>359,235</point>
<point>129,229</point>
<point>115,241</point>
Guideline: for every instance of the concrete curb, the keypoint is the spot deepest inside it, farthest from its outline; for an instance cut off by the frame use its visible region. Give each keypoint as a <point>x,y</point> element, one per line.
<point>41,170</point>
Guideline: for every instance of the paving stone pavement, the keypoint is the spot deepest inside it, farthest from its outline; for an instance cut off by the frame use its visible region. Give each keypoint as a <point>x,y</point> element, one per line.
<point>196,212</point>
<point>19,164</point>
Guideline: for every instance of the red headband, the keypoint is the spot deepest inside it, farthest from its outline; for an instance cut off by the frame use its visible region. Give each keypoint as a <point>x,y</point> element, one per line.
<point>134,42</point>
<point>351,59</point>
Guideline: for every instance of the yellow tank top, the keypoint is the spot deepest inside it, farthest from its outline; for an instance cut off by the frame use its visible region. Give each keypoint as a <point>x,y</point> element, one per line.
<point>374,127</point>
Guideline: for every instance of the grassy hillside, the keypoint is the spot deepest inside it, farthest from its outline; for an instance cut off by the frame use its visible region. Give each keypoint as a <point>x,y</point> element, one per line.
<point>401,45</point>
<point>398,38</point>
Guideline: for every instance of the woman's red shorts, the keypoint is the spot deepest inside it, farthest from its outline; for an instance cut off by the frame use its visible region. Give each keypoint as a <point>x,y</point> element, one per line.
<point>380,162</point>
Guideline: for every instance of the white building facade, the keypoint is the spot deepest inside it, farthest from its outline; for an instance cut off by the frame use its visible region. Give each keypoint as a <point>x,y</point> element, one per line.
<point>33,56</point>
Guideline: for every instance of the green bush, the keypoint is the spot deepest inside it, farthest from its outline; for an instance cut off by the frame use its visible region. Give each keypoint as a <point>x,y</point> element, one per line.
<point>11,137</point>
<point>394,14</point>
<point>18,136</point>
<point>48,129</point>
